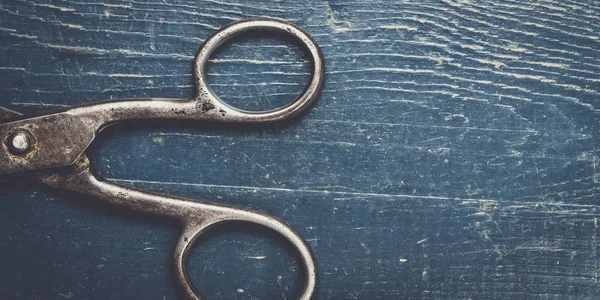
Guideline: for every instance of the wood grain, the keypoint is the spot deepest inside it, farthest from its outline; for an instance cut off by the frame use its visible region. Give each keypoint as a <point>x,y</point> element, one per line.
<point>453,153</point>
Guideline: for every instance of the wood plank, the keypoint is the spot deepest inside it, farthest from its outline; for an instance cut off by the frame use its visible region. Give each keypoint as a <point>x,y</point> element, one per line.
<point>453,153</point>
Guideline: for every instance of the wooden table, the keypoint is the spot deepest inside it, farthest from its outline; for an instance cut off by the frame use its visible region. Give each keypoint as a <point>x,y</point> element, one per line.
<point>453,153</point>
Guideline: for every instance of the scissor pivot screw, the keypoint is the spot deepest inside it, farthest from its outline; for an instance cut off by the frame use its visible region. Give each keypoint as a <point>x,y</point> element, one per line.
<point>19,142</point>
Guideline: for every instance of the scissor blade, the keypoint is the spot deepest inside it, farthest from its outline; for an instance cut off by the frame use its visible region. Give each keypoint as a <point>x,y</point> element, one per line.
<point>52,178</point>
<point>6,113</point>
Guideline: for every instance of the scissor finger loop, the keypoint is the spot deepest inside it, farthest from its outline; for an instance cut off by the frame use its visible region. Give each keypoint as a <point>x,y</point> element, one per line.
<point>208,100</point>
<point>195,227</point>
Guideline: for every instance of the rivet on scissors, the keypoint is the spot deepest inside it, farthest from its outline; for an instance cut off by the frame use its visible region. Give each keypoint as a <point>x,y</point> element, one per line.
<point>19,142</point>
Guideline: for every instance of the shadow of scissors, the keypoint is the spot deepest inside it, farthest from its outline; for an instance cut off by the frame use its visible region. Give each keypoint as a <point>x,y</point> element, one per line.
<point>53,148</point>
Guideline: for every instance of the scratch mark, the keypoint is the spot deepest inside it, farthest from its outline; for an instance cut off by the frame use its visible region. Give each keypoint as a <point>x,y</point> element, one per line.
<point>117,75</point>
<point>596,250</point>
<point>398,27</point>
<point>256,257</point>
<point>65,9</point>
<point>366,248</point>
<point>118,5</point>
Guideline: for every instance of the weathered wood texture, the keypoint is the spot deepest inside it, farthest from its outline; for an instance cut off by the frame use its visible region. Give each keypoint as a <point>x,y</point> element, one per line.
<point>452,155</point>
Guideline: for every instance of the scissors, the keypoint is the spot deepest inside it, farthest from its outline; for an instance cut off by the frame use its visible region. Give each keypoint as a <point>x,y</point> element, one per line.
<point>51,148</point>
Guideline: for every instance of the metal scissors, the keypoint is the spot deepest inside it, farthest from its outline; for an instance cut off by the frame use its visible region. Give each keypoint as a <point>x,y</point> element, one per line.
<point>51,148</point>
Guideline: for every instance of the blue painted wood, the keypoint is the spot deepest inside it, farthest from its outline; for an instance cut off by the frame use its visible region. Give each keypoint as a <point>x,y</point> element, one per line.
<point>452,155</point>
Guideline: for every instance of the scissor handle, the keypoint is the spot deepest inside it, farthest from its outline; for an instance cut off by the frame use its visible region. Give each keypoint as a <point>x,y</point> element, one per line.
<point>220,214</point>
<point>196,217</point>
<point>58,139</point>
<point>205,94</point>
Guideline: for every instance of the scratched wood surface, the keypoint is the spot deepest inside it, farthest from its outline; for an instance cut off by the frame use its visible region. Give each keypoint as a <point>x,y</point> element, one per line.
<point>453,153</point>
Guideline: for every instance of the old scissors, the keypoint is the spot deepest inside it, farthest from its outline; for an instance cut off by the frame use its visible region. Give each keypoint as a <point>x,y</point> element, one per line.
<point>51,148</point>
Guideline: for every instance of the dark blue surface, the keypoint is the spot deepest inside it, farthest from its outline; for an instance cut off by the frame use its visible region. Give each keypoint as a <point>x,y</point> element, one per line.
<point>453,153</point>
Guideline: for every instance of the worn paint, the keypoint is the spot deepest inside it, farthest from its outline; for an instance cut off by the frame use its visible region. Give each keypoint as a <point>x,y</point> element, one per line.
<point>467,147</point>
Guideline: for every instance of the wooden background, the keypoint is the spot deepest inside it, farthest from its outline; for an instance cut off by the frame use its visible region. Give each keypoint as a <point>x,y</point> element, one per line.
<point>453,153</point>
